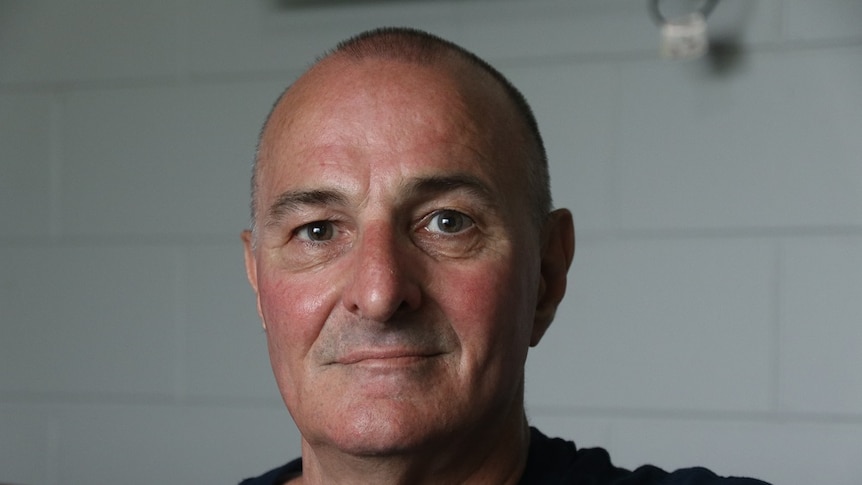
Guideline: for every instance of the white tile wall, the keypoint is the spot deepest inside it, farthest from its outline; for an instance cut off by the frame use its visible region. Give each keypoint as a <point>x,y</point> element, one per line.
<point>713,309</point>
<point>736,23</point>
<point>785,451</point>
<point>821,334</point>
<point>140,444</point>
<point>774,144</point>
<point>161,160</point>
<point>60,42</point>
<point>79,320</point>
<point>580,147</point>
<point>226,348</point>
<point>25,166</point>
<point>831,20</point>
<point>661,324</point>
<point>507,30</point>
<point>782,452</point>
<point>25,443</point>
<point>268,37</point>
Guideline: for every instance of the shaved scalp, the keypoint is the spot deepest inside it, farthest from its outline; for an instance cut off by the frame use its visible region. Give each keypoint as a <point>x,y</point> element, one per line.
<point>419,47</point>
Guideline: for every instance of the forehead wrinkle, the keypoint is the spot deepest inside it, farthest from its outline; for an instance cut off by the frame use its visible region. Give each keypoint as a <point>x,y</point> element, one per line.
<point>292,200</point>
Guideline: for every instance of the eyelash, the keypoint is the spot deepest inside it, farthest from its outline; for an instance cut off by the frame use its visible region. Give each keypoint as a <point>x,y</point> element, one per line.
<point>305,230</point>
<point>302,235</point>
<point>465,221</point>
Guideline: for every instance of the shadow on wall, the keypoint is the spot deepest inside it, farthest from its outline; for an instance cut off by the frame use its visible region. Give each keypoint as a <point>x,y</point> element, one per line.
<point>725,56</point>
<point>728,26</point>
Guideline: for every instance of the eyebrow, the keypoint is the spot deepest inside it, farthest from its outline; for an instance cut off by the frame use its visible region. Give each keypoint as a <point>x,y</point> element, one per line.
<point>292,199</point>
<point>420,188</point>
<point>437,185</point>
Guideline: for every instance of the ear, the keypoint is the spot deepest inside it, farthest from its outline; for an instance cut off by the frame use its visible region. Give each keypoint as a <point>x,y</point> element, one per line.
<point>558,248</point>
<point>251,269</point>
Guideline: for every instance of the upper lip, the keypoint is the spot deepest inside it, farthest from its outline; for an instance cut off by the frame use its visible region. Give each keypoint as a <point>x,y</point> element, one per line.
<point>382,354</point>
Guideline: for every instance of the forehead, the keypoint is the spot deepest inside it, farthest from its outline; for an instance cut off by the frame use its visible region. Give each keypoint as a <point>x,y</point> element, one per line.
<point>349,115</point>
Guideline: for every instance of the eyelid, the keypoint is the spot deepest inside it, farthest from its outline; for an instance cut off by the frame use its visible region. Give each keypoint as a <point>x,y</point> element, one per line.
<point>301,232</point>
<point>298,201</point>
<point>469,222</point>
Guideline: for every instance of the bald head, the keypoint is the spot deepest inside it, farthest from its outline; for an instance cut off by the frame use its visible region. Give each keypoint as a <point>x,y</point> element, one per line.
<point>404,260</point>
<point>409,46</point>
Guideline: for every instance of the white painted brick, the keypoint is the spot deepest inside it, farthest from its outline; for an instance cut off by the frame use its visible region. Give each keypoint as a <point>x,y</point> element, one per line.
<point>157,161</point>
<point>506,30</point>
<point>164,444</point>
<point>230,37</point>
<point>821,335</point>
<point>574,107</point>
<point>774,143</point>
<point>661,325</point>
<point>226,354</point>
<point>24,444</point>
<point>84,320</point>
<point>503,30</point>
<point>665,325</point>
<point>227,36</point>
<point>780,452</point>
<point>741,23</point>
<point>56,41</point>
<point>25,164</point>
<point>824,19</point>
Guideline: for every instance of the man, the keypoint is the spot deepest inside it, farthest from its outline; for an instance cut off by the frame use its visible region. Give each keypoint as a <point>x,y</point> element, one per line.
<point>405,256</point>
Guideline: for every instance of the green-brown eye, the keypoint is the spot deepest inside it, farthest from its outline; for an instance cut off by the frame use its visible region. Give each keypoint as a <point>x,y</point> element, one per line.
<point>317,231</point>
<point>448,222</point>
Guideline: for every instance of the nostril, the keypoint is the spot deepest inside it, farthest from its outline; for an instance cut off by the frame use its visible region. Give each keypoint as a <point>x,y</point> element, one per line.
<point>378,292</point>
<point>382,282</point>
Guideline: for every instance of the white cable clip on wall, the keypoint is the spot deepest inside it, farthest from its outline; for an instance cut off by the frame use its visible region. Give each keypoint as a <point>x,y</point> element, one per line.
<point>683,37</point>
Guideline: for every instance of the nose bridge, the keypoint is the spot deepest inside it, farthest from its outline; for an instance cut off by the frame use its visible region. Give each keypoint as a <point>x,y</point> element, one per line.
<point>378,253</point>
<point>381,284</point>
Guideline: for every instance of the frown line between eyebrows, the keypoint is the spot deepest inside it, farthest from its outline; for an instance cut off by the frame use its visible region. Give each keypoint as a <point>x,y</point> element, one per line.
<point>292,200</point>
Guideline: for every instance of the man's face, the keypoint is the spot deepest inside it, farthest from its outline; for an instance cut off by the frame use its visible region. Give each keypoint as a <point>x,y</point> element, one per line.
<point>396,267</point>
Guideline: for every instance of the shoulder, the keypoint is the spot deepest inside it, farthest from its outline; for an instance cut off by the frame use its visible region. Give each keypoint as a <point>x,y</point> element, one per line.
<point>277,476</point>
<point>557,461</point>
<point>685,476</point>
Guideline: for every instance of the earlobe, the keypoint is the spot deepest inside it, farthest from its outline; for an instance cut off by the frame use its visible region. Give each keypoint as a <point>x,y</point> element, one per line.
<point>251,269</point>
<point>558,249</point>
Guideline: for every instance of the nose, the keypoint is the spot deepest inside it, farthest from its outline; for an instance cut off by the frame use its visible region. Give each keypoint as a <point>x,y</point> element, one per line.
<point>384,283</point>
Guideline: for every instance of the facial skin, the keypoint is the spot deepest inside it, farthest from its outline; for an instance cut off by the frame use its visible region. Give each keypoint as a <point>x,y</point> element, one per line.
<point>399,275</point>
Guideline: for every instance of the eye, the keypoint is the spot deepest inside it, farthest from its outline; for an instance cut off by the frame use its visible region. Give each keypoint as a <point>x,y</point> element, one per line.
<point>316,231</point>
<point>448,222</point>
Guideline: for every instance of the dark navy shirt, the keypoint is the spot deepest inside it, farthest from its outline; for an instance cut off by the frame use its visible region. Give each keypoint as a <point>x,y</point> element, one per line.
<point>553,461</point>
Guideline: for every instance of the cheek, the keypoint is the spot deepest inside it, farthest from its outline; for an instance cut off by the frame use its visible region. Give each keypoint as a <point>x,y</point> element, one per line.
<point>491,308</point>
<point>294,310</point>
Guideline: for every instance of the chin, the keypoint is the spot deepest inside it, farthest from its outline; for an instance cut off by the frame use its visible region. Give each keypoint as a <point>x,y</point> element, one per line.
<point>386,429</point>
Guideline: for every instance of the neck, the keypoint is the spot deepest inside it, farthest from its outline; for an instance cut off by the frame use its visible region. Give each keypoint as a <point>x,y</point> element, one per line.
<point>492,454</point>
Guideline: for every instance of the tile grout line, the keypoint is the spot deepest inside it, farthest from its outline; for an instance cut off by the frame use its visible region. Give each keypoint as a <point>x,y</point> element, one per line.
<point>775,347</point>
<point>180,383</point>
<point>55,147</point>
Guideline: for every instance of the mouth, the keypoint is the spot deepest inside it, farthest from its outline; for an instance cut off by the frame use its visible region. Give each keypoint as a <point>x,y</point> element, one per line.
<point>386,357</point>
